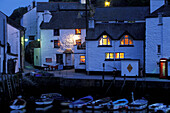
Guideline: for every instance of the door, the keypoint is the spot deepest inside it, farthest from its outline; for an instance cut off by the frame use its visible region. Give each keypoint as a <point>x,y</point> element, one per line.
<point>68,59</point>
<point>59,58</point>
<point>163,68</point>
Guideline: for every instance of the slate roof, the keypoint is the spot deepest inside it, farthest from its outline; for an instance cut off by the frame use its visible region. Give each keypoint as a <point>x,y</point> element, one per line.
<point>136,30</point>
<point>14,24</point>
<point>121,13</point>
<point>65,20</point>
<point>56,6</point>
<point>165,10</point>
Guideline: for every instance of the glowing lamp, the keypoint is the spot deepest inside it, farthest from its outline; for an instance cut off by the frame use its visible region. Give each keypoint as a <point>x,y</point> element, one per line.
<point>38,39</point>
<point>26,40</point>
<point>107,4</point>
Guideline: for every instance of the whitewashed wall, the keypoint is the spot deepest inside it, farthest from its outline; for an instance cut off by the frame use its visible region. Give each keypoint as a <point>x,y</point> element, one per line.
<point>37,57</point>
<point>154,34</point>
<point>2,30</point>
<point>13,38</point>
<point>95,56</point>
<point>29,21</point>
<point>67,38</point>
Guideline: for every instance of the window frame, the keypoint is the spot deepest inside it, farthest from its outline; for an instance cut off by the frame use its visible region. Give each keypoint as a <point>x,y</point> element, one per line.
<point>114,56</point>
<point>58,32</point>
<point>48,59</point>
<point>58,46</point>
<point>82,58</point>
<point>102,38</point>
<point>123,39</point>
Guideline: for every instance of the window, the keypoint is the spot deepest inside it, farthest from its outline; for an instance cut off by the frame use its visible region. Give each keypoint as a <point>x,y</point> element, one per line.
<point>31,37</point>
<point>59,58</point>
<point>78,31</point>
<point>109,56</point>
<point>82,59</point>
<point>104,41</point>
<point>48,60</point>
<point>119,56</point>
<point>56,32</point>
<point>78,42</point>
<point>159,49</point>
<point>56,43</point>
<point>126,40</point>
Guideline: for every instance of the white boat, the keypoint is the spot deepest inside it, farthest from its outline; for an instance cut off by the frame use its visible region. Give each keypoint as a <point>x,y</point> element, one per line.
<point>118,104</point>
<point>164,108</point>
<point>44,101</point>
<point>138,104</point>
<point>99,104</point>
<point>18,103</point>
<point>154,106</point>
<point>81,103</point>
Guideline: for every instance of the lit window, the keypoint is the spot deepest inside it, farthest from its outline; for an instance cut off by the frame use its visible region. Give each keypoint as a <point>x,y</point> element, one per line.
<point>48,60</point>
<point>82,59</point>
<point>104,40</point>
<point>56,44</point>
<point>126,40</point>
<point>109,56</point>
<point>119,55</point>
<point>78,42</point>
<point>78,31</point>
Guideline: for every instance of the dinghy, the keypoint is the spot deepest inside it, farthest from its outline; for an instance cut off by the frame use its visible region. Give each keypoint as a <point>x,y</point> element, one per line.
<point>154,106</point>
<point>18,103</point>
<point>99,104</point>
<point>81,103</point>
<point>138,104</point>
<point>44,100</point>
<point>118,104</point>
<point>164,108</point>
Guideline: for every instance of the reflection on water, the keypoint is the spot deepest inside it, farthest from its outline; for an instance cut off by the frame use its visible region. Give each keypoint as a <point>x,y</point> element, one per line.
<point>18,111</point>
<point>44,108</point>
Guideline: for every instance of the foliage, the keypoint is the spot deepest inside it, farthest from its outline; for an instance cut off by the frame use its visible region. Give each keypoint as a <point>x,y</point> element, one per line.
<point>18,13</point>
<point>29,51</point>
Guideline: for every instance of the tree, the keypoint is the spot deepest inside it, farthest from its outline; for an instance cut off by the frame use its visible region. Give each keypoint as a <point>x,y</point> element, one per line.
<point>18,13</point>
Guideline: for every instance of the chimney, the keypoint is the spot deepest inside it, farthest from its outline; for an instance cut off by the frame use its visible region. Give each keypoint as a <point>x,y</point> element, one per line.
<point>33,4</point>
<point>29,8</point>
<point>91,23</point>
<point>47,16</point>
<point>155,4</point>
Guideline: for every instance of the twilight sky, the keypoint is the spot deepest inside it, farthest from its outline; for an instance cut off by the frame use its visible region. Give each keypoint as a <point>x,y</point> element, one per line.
<point>7,6</point>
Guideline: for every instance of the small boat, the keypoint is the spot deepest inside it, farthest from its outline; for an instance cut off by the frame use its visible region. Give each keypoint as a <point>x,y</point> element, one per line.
<point>99,104</point>
<point>138,104</point>
<point>18,103</point>
<point>44,100</point>
<point>164,108</point>
<point>118,104</point>
<point>81,103</point>
<point>154,106</point>
<point>65,103</point>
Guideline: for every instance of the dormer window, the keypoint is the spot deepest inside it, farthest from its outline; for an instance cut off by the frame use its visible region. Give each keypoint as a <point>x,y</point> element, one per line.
<point>126,40</point>
<point>78,31</point>
<point>104,41</point>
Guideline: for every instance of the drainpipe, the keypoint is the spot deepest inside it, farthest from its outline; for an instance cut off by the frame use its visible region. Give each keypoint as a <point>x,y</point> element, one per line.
<point>4,61</point>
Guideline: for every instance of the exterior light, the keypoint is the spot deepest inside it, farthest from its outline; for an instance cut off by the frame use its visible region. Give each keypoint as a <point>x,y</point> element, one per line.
<point>107,4</point>
<point>38,39</point>
<point>26,40</point>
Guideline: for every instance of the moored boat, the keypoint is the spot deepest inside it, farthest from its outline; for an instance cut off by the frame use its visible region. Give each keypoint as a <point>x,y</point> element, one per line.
<point>81,103</point>
<point>118,104</point>
<point>18,103</point>
<point>99,104</point>
<point>44,101</point>
<point>154,106</point>
<point>138,104</point>
<point>164,108</point>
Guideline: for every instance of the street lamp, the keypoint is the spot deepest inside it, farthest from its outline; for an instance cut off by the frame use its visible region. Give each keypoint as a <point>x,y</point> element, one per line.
<point>107,3</point>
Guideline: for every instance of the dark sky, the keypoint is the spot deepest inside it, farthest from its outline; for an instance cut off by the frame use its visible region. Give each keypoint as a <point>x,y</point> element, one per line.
<point>7,6</point>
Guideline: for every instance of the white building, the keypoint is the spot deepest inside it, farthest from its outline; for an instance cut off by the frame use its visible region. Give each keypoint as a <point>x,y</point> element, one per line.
<point>34,17</point>
<point>114,42</point>
<point>12,45</point>
<point>60,32</point>
<point>157,38</point>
